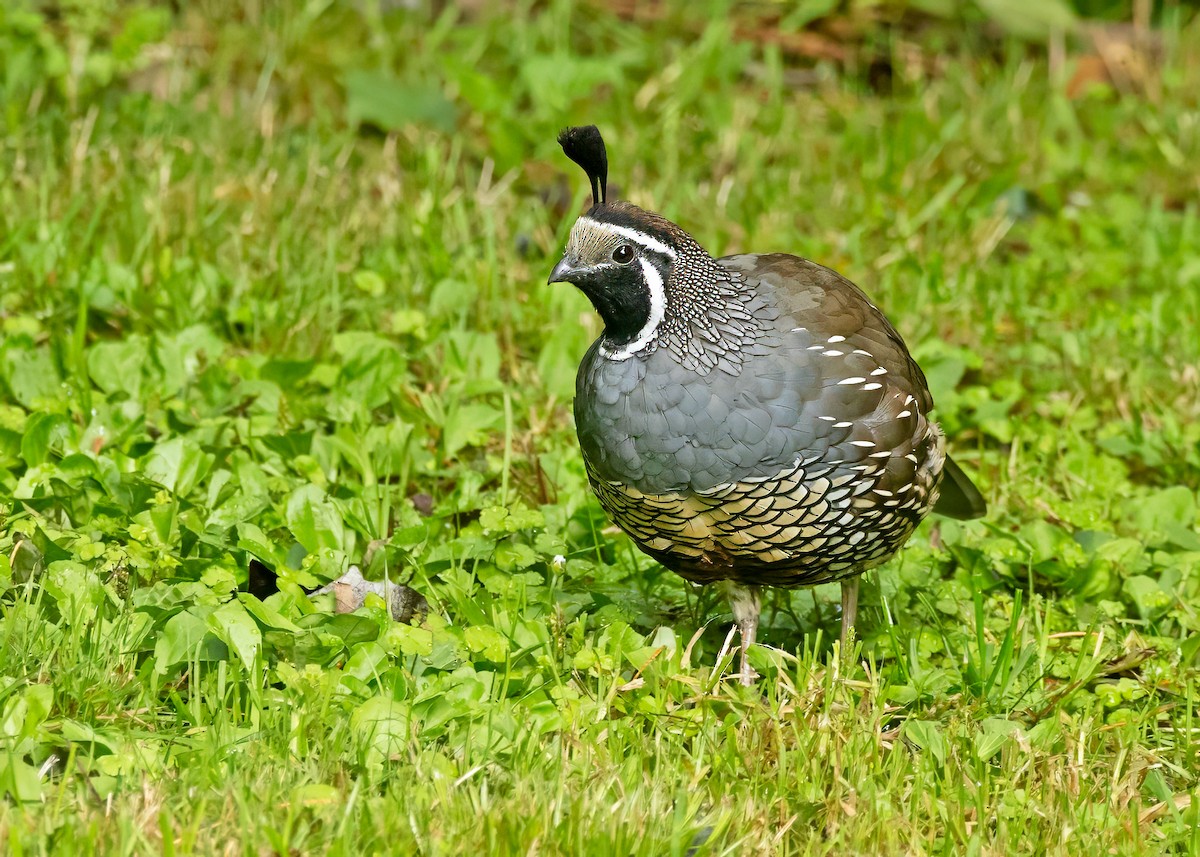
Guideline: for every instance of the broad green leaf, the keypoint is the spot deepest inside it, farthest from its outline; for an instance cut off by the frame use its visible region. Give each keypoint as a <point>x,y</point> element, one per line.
<point>85,733</point>
<point>370,367</point>
<point>266,614</point>
<point>1147,595</point>
<point>184,354</point>
<point>239,631</point>
<point>381,726</point>
<point>238,508</point>
<point>77,589</point>
<point>473,358</point>
<point>556,80</point>
<point>927,735</point>
<point>353,628</point>
<point>486,641</point>
<point>994,734</point>
<point>366,661</point>
<point>1182,536</point>
<point>559,358</point>
<point>172,598</point>
<point>1035,20</point>
<point>117,367</point>
<point>179,465</point>
<point>254,541</point>
<point>286,373</point>
<point>42,431</point>
<point>19,779</point>
<point>512,556</point>
<point>468,425</point>
<point>165,518</point>
<point>314,520</point>
<point>187,636</point>
<point>1164,512</point>
<point>387,103</point>
<point>317,795</point>
<point>33,376</point>
<point>409,639</point>
<point>25,711</point>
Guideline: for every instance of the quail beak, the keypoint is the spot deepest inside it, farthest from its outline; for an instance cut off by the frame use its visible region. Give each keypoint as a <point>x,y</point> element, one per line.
<point>564,272</point>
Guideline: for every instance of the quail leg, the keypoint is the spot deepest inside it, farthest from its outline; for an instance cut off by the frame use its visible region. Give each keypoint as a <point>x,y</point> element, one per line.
<point>745,603</point>
<point>849,610</point>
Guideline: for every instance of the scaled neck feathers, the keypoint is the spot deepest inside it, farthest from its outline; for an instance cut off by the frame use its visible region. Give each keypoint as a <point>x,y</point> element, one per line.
<point>710,317</point>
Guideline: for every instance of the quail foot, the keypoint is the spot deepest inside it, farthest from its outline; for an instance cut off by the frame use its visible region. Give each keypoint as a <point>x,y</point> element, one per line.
<point>752,420</point>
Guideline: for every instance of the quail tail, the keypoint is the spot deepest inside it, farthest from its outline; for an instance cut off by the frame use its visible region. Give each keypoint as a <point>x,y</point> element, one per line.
<point>959,498</point>
<point>746,604</point>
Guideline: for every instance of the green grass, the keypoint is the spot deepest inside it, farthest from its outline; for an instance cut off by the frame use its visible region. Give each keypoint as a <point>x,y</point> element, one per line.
<point>272,277</point>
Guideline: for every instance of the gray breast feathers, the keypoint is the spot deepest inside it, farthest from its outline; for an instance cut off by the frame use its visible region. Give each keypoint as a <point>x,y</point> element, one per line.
<point>830,387</point>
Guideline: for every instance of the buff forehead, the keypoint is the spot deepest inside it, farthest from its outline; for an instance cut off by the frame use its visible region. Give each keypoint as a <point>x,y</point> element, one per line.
<point>590,243</point>
<point>594,240</point>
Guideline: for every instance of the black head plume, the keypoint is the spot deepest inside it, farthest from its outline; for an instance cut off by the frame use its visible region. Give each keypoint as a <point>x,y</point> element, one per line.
<point>584,145</point>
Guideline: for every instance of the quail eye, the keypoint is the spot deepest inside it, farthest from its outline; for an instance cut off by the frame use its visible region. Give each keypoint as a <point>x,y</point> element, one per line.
<point>623,255</point>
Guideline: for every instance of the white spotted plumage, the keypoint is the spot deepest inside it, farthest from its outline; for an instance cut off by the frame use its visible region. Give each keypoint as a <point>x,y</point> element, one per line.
<point>743,443</point>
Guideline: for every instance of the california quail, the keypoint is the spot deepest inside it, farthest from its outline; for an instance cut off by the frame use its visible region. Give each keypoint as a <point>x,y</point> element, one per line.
<point>754,419</point>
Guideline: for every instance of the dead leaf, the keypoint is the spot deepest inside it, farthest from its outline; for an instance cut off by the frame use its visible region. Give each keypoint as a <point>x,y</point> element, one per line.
<point>350,591</point>
<point>1125,57</point>
<point>1180,802</point>
<point>801,43</point>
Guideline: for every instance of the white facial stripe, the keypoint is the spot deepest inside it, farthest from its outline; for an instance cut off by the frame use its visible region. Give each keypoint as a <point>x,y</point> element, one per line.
<point>647,241</point>
<point>658,307</point>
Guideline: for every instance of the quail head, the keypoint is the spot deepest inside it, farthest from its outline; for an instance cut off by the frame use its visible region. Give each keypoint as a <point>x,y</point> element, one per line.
<point>752,420</point>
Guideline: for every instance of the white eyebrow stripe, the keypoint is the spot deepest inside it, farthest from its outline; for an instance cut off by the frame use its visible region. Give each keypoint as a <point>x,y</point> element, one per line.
<point>647,241</point>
